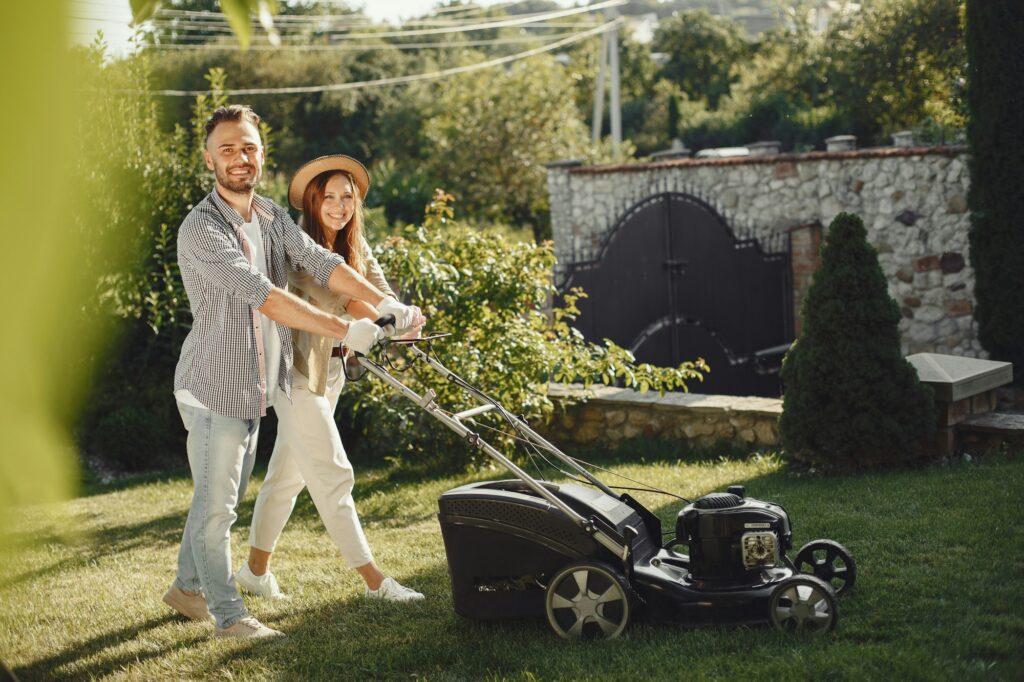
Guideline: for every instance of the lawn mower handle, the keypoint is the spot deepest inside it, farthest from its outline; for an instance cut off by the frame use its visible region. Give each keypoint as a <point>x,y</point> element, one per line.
<point>607,537</point>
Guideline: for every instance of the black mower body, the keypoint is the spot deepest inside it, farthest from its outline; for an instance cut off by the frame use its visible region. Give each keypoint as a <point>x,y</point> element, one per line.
<point>504,542</point>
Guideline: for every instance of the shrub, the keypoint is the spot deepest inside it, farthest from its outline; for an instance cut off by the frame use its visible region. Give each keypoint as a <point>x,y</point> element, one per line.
<point>995,132</point>
<point>850,398</point>
<point>492,293</point>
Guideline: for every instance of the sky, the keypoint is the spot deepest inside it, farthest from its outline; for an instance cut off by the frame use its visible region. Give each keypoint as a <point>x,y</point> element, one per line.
<point>113,17</point>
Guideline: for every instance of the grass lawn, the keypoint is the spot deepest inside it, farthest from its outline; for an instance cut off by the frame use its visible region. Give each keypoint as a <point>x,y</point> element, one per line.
<point>940,555</point>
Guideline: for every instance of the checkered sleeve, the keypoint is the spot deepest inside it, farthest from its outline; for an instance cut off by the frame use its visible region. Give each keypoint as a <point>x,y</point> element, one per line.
<point>305,254</point>
<point>216,258</point>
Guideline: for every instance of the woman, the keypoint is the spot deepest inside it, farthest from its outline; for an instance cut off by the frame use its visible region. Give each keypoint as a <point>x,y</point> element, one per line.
<point>308,452</point>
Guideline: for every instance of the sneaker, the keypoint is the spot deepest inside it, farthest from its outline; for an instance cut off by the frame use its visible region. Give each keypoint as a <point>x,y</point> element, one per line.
<point>192,606</point>
<point>263,585</point>
<point>392,590</point>
<point>247,627</point>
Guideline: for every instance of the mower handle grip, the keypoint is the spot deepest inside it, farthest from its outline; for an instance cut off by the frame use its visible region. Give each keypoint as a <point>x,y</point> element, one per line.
<point>383,322</point>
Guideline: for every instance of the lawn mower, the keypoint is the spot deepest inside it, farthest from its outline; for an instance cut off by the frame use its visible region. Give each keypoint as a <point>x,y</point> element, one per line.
<point>591,559</point>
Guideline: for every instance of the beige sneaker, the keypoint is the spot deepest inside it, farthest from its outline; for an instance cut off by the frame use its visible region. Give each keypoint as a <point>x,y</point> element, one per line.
<point>192,606</point>
<point>245,628</point>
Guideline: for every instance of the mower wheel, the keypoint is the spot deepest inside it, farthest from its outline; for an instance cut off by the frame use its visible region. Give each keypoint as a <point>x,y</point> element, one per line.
<point>803,603</point>
<point>589,600</point>
<point>830,561</point>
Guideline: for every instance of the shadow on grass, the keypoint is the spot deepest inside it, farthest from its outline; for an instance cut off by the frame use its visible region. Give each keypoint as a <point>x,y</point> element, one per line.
<point>106,542</point>
<point>359,638</point>
<point>50,667</point>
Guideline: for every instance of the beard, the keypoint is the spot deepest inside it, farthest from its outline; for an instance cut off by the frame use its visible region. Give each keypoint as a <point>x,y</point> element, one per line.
<point>235,184</point>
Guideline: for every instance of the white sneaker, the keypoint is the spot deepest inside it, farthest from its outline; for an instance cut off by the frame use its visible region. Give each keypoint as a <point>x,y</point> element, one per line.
<point>263,585</point>
<point>247,627</point>
<point>392,590</point>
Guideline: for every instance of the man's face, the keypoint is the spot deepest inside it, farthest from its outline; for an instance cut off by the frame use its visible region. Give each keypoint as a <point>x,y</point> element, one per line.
<point>235,154</point>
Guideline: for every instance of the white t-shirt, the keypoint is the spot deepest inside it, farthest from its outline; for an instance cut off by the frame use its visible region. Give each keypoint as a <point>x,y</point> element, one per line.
<point>271,337</point>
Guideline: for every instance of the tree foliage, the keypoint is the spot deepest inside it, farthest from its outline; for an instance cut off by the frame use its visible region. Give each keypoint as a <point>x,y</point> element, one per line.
<point>850,398</point>
<point>996,136</point>
<point>703,52</point>
<point>492,149</point>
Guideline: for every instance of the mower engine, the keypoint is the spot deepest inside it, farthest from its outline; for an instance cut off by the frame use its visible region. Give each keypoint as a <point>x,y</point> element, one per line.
<point>730,536</point>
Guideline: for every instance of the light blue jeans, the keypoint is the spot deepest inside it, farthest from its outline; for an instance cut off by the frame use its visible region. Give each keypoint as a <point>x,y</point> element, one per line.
<point>221,454</point>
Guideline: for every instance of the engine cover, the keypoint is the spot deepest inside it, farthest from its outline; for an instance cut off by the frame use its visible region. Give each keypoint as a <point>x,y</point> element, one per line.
<point>730,536</point>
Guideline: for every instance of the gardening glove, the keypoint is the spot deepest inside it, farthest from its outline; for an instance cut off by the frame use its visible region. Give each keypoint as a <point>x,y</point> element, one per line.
<point>405,315</point>
<point>363,335</point>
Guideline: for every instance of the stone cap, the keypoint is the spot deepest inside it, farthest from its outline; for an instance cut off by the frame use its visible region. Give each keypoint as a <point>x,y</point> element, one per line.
<point>694,401</point>
<point>954,377</point>
<point>765,148</point>
<point>564,163</point>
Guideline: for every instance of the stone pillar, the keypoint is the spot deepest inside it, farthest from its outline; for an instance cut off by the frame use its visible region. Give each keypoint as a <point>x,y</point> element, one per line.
<point>562,229</point>
<point>805,257</point>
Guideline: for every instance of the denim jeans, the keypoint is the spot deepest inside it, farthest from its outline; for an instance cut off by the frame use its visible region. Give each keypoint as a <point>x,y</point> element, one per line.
<point>221,454</point>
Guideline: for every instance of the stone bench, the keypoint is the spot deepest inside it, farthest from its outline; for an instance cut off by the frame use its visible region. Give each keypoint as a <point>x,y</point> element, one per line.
<point>965,394</point>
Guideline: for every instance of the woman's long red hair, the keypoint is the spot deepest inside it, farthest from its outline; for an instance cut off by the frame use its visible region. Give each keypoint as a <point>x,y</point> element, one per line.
<point>346,242</point>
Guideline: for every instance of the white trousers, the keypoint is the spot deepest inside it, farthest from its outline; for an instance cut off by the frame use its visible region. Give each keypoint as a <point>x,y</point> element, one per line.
<point>308,452</point>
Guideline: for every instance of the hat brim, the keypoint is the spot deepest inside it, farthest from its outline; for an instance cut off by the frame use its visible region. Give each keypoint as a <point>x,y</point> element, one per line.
<point>333,162</point>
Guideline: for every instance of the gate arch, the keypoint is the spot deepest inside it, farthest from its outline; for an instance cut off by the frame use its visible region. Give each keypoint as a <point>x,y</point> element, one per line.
<point>672,282</point>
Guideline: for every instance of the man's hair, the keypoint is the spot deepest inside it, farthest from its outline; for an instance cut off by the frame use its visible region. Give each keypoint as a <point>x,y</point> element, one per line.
<point>234,112</point>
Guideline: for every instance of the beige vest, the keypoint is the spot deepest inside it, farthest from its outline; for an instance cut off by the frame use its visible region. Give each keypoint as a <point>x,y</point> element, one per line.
<point>312,351</point>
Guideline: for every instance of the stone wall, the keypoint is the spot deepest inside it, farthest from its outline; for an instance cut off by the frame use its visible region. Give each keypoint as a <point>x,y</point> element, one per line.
<point>913,202</point>
<point>611,415</point>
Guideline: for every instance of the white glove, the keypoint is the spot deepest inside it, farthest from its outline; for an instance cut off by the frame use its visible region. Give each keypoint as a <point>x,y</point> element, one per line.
<point>363,335</point>
<point>404,314</point>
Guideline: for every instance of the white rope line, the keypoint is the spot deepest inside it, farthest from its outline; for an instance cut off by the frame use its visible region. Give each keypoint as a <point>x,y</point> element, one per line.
<point>397,80</point>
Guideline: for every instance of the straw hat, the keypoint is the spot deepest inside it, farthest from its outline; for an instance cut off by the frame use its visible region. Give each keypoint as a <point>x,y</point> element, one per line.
<point>313,168</point>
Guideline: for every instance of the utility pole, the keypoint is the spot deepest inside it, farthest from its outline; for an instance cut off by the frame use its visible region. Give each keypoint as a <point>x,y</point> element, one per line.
<point>598,120</point>
<point>608,59</point>
<point>616,109</point>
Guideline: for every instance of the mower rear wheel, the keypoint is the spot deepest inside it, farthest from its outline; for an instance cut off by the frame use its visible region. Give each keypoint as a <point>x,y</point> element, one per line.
<point>589,600</point>
<point>830,561</point>
<point>803,603</point>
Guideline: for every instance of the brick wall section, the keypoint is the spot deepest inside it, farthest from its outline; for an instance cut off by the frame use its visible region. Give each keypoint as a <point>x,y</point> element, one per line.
<point>805,244</point>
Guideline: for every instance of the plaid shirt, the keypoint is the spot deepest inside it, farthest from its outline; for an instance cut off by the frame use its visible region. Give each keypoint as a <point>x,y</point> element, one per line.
<point>219,362</point>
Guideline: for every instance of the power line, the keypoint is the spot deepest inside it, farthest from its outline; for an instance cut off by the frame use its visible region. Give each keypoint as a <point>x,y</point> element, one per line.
<point>523,21</point>
<point>397,80</point>
<point>232,46</point>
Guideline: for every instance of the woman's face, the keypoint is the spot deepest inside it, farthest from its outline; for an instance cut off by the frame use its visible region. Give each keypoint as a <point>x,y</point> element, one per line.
<point>339,203</point>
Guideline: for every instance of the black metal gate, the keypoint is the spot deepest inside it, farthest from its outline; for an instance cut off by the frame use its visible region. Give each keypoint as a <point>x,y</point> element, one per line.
<point>673,283</point>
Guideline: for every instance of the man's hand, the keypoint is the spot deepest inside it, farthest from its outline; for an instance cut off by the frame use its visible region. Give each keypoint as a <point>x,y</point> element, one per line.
<point>363,335</point>
<point>407,317</point>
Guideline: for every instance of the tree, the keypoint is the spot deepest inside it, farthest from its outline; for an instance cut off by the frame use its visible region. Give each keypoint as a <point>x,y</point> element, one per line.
<point>995,132</point>
<point>850,398</point>
<point>703,52</point>
<point>899,65</point>
<point>492,132</point>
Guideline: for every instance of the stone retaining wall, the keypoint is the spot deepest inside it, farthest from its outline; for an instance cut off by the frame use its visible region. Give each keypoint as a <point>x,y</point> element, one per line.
<point>913,202</point>
<point>614,414</point>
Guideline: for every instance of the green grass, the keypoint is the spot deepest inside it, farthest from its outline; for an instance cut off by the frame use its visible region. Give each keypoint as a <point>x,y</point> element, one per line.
<point>939,595</point>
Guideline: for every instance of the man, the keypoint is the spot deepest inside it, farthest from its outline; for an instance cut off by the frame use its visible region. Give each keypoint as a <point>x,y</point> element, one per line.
<point>234,250</point>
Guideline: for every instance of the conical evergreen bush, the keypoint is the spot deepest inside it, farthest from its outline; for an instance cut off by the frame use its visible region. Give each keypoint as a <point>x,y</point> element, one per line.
<point>850,398</point>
